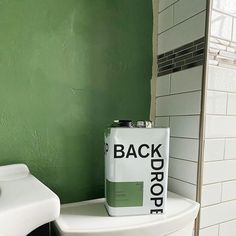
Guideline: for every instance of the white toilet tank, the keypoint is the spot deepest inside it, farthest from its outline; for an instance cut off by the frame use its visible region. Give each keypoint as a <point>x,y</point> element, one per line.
<point>90,218</point>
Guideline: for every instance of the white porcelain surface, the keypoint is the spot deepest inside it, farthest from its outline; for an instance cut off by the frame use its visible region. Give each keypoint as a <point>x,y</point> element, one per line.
<point>227,228</point>
<point>211,194</point>
<point>184,9</point>
<point>186,80</point>
<point>214,149</point>
<point>25,203</point>
<point>163,85</point>
<point>185,126</point>
<point>229,190</point>
<point>184,148</point>
<point>183,33</point>
<point>221,25</point>
<point>218,213</point>
<point>219,171</point>
<point>91,218</point>
<point>183,170</point>
<point>209,231</point>
<point>165,19</point>
<point>180,187</point>
<point>179,104</point>
<point>216,102</point>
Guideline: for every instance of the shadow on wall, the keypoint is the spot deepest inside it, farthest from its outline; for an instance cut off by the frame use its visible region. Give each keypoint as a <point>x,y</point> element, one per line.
<point>67,69</point>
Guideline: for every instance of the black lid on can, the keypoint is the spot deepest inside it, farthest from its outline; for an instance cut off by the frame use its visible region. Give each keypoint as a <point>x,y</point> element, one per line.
<point>122,123</point>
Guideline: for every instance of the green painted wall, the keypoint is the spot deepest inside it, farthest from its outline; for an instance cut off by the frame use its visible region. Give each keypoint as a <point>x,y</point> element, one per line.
<point>67,69</point>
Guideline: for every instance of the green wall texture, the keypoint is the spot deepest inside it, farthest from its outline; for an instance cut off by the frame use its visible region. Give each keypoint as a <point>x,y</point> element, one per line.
<point>67,69</point>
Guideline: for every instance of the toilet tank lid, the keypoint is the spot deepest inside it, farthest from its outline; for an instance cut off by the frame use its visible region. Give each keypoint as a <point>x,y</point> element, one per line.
<point>91,216</point>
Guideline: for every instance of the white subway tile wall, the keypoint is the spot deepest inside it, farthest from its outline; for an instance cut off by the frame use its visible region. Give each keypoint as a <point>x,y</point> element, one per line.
<point>210,231</point>
<point>214,149</point>
<point>183,188</point>
<point>211,194</point>
<point>181,43</point>
<point>183,33</point>
<point>165,19</point>
<point>163,85</point>
<point>228,228</point>
<point>187,80</point>
<point>218,212</point>
<point>221,25</point>
<point>179,104</point>
<point>185,9</point>
<point>185,126</point>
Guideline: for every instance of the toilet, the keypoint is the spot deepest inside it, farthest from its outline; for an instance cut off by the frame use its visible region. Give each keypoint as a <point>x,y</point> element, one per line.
<point>90,218</point>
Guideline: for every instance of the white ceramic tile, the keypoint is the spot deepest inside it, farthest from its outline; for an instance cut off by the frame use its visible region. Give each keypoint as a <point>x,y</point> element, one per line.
<point>184,148</point>
<point>165,3</point>
<point>209,231</point>
<point>230,148</point>
<point>162,122</point>
<point>225,5</point>
<point>221,25</point>
<point>231,108</point>
<point>228,228</point>
<point>183,170</point>
<point>234,30</point>
<point>183,33</point>
<point>165,19</point>
<point>222,79</point>
<point>186,80</point>
<point>220,126</point>
<point>182,188</point>
<point>184,9</point>
<point>216,102</point>
<point>185,126</point>
<point>163,85</point>
<point>218,213</point>
<point>211,194</point>
<point>218,171</point>
<point>229,190</point>
<point>179,104</point>
<point>214,149</point>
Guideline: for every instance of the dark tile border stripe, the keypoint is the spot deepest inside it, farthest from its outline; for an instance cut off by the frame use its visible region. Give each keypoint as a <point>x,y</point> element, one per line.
<point>182,58</point>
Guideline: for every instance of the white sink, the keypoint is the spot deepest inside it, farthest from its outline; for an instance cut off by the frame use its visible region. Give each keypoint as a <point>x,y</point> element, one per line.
<point>25,203</point>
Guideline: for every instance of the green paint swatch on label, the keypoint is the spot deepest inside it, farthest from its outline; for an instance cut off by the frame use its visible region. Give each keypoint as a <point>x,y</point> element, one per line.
<point>124,194</point>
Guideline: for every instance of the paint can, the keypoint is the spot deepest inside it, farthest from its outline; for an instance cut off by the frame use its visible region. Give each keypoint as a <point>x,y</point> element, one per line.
<point>136,168</point>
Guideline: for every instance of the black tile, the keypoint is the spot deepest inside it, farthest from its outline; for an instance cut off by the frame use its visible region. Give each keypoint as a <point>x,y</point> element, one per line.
<point>198,52</point>
<point>167,72</point>
<point>185,51</point>
<point>198,41</point>
<point>169,53</point>
<point>194,59</point>
<point>169,62</point>
<point>171,56</point>
<point>177,69</point>
<point>180,63</point>
<point>183,47</point>
<point>198,63</point>
<point>189,55</point>
<point>166,67</point>
<point>201,45</point>
<point>160,56</point>
<point>162,59</point>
